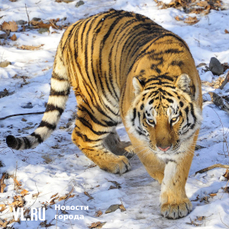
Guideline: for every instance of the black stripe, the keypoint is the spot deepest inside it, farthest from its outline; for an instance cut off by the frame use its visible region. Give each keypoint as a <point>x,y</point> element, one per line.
<point>86,58</point>
<point>71,33</point>
<point>27,142</point>
<point>87,124</point>
<point>51,107</point>
<point>181,104</point>
<point>59,93</point>
<point>89,91</point>
<point>134,115</point>
<point>151,101</point>
<point>93,118</point>
<point>192,112</point>
<point>169,100</point>
<point>38,137</point>
<point>178,63</point>
<point>163,33</point>
<point>57,77</point>
<point>48,125</point>
<point>112,75</point>
<point>108,84</point>
<point>19,143</point>
<point>85,138</point>
<point>84,28</point>
<point>172,51</point>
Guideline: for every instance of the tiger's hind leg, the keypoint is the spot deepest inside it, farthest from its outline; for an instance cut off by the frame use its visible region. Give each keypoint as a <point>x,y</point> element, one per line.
<point>113,143</point>
<point>90,135</point>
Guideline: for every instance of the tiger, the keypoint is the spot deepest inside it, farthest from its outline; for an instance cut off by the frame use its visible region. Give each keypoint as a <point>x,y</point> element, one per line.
<point>125,68</point>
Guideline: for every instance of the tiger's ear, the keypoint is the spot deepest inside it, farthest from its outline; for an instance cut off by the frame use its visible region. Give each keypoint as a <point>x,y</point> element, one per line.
<point>138,85</point>
<point>184,83</point>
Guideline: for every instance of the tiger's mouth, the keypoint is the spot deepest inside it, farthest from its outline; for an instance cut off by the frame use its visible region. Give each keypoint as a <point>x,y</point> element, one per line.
<point>167,151</point>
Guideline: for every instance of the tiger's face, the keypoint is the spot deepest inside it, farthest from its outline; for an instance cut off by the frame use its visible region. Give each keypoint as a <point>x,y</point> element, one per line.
<point>164,118</point>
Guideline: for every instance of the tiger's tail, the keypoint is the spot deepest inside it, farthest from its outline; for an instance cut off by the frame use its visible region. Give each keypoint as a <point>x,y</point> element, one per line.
<point>60,88</point>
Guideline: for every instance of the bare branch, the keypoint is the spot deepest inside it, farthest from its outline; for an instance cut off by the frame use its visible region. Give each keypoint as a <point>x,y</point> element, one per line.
<point>212,167</point>
<point>33,113</point>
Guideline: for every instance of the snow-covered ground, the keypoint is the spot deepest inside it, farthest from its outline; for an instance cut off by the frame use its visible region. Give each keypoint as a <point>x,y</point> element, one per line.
<point>57,167</point>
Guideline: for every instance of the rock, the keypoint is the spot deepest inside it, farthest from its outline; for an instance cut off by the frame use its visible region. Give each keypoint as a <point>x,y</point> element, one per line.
<point>4,34</point>
<point>43,30</point>
<point>36,19</point>
<point>68,1</point>
<point>29,105</point>
<point>79,3</point>
<point>21,22</point>
<point>4,93</point>
<point>216,67</point>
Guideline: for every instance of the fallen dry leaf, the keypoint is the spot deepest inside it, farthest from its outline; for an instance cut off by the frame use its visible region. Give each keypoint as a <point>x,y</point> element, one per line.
<point>17,183</point>
<point>14,37</point>
<point>67,196</point>
<point>30,47</point>
<point>40,24</point>
<point>3,207</point>
<point>18,202</point>
<point>192,6</point>
<point>24,192</point>
<point>52,202</point>
<point>191,20</point>
<point>36,195</point>
<point>178,18</point>
<point>202,4</point>
<point>97,225</point>
<point>114,207</point>
<point>4,64</point>
<point>98,213</point>
<point>226,174</point>
<point>44,224</point>
<point>54,195</point>
<point>11,26</point>
<point>200,218</point>
<point>122,208</point>
<point>212,194</point>
<point>226,31</point>
<point>87,194</point>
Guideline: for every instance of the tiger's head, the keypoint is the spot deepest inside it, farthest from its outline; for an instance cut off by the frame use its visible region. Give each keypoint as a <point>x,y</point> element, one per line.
<point>164,115</point>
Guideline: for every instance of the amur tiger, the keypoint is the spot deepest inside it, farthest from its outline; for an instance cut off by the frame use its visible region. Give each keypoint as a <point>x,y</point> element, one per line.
<point>123,67</point>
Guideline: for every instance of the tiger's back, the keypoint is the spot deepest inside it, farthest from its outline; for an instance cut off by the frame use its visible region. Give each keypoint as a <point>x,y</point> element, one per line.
<point>103,48</point>
<point>123,67</point>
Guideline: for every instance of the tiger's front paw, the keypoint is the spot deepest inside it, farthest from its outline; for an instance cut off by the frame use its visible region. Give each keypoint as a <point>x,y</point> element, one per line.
<point>120,165</point>
<point>175,211</point>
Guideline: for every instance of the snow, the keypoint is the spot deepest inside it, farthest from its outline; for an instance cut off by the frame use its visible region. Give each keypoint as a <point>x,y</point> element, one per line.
<point>58,166</point>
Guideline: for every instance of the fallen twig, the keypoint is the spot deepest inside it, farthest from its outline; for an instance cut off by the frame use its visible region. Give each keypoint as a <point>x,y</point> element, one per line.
<point>33,113</point>
<point>212,167</point>
<point>219,101</point>
<point>226,80</point>
<point>2,184</point>
<point>27,14</point>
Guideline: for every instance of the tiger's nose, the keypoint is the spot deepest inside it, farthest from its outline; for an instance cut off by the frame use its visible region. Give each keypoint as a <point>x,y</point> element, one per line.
<point>164,149</point>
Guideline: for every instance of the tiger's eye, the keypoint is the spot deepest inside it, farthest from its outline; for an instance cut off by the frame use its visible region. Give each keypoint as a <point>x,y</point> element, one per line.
<point>151,122</point>
<point>173,120</point>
